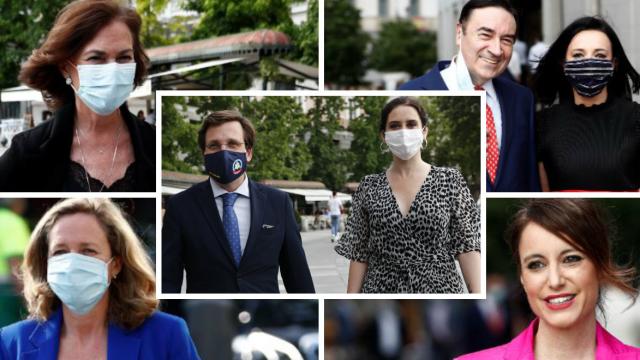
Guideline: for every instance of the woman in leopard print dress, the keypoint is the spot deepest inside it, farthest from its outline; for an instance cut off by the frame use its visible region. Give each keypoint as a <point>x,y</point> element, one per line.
<point>409,223</point>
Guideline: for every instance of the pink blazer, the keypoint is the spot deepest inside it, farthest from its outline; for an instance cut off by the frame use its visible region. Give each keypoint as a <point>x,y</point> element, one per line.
<point>521,347</point>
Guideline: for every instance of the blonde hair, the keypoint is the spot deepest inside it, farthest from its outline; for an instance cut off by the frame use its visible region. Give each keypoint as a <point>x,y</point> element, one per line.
<point>131,294</point>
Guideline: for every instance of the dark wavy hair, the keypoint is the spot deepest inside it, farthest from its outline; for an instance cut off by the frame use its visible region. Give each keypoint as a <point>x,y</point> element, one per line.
<point>471,5</point>
<point>75,26</point>
<point>582,224</point>
<point>549,81</point>
<point>399,101</point>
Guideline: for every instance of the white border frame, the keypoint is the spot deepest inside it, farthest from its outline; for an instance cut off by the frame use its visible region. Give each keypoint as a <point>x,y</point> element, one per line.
<point>319,296</point>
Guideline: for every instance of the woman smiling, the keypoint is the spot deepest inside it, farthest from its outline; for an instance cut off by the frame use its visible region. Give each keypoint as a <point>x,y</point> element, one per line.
<point>562,250</point>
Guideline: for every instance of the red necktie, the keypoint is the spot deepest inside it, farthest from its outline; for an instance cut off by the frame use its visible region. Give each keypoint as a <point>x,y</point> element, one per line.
<point>493,154</point>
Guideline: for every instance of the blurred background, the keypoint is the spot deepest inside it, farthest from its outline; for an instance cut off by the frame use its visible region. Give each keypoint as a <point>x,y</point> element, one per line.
<point>308,146</point>
<point>380,44</point>
<point>221,329</point>
<point>443,329</point>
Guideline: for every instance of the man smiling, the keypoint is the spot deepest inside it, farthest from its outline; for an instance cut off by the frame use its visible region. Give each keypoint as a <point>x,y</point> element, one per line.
<point>485,35</point>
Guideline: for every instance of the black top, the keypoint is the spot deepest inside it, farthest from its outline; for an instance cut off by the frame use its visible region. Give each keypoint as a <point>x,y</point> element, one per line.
<point>413,253</point>
<point>39,158</point>
<point>77,178</point>
<point>591,148</point>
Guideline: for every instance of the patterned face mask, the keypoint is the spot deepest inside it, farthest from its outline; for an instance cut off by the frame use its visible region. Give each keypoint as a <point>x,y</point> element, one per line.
<point>588,76</point>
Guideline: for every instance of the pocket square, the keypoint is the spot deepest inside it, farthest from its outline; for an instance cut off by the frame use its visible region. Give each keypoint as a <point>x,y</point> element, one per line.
<point>267,226</point>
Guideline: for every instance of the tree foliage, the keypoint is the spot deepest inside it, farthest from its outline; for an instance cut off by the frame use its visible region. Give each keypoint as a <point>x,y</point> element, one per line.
<point>292,144</point>
<point>402,47</point>
<point>330,164</point>
<point>180,151</point>
<point>23,27</point>
<point>454,135</point>
<point>366,152</point>
<point>344,43</point>
<point>221,17</point>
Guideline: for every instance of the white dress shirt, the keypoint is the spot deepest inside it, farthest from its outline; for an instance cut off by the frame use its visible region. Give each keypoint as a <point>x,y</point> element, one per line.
<point>242,207</point>
<point>457,78</point>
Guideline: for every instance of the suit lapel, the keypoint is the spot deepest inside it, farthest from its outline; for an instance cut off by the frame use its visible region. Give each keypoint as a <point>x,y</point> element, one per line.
<point>45,337</point>
<point>207,204</point>
<point>122,346</point>
<point>258,201</point>
<point>506,107</point>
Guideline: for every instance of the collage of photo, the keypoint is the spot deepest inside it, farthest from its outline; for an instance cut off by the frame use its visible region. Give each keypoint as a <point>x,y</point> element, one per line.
<point>320,179</point>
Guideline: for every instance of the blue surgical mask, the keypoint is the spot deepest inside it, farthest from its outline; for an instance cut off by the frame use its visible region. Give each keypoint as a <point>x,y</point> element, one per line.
<point>588,76</point>
<point>103,88</point>
<point>79,281</point>
<point>225,166</point>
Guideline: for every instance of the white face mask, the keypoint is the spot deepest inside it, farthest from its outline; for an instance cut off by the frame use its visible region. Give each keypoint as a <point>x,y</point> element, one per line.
<point>463,77</point>
<point>79,281</point>
<point>103,88</point>
<point>404,143</point>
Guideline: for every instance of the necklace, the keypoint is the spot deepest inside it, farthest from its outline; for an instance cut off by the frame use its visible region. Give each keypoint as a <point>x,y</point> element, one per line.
<point>113,159</point>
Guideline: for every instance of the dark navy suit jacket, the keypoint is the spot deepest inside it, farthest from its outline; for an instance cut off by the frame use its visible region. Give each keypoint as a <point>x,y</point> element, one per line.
<point>193,239</point>
<point>517,168</point>
<point>161,336</point>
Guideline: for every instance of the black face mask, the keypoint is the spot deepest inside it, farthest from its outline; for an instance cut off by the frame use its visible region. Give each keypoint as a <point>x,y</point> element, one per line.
<point>225,166</point>
<point>588,76</point>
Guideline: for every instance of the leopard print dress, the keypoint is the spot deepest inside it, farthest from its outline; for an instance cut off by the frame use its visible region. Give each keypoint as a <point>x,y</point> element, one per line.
<point>412,254</point>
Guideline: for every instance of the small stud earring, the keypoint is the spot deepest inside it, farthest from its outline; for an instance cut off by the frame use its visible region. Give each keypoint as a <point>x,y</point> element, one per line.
<point>68,80</point>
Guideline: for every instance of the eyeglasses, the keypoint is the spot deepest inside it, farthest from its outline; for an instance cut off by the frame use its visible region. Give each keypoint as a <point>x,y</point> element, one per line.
<point>231,145</point>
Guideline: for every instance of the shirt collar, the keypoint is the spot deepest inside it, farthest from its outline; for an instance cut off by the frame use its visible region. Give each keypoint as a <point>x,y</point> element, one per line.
<point>243,189</point>
<point>490,89</point>
<point>458,70</point>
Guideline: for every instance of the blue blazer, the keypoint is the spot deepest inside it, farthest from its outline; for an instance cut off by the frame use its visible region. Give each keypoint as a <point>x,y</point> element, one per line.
<point>161,336</point>
<point>193,239</point>
<point>517,168</point>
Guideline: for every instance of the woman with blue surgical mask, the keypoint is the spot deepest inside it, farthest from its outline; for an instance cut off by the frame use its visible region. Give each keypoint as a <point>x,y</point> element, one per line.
<point>411,222</point>
<point>589,140</point>
<point>90,291</point>
<point>86,69</point>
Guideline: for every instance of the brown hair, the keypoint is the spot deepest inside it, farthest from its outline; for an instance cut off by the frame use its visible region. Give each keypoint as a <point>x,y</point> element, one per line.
<point>131,294</point>
<point>583,225</point>
<point>218,118</point>
<point>75,26</point>
<point>400,101</point>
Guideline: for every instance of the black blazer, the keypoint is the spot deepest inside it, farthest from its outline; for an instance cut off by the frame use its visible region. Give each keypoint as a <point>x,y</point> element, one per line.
<point>39,158</point>
<point>193,239</point>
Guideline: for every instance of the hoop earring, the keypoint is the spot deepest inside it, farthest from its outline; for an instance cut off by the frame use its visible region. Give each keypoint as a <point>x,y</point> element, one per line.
<point>382,149</point>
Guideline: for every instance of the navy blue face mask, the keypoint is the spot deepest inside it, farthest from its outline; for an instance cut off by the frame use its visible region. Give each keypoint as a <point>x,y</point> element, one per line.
<point>225,166</point>
<point>588,76</point>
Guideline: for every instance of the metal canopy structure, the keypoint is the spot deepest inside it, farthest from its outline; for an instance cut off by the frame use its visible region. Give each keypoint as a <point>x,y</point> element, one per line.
<point>167,70</point>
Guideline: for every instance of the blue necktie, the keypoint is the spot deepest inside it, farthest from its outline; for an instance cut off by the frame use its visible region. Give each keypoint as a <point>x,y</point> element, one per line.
<point>230,224</point>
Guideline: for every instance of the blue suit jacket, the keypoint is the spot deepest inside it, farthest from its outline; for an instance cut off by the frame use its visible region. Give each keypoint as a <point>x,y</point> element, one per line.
<point>517,168</point>
<point>161,336</point>
<point>193,239</point>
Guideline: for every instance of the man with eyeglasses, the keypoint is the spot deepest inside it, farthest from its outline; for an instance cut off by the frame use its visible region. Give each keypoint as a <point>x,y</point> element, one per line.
<point>229,233</point>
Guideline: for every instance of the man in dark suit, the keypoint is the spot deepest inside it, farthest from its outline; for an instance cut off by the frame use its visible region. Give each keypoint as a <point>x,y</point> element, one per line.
<point>486,32</point>
<point>229,233</point>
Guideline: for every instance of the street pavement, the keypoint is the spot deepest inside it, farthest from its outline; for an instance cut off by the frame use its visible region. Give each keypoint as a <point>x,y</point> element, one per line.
<point>328,269</point>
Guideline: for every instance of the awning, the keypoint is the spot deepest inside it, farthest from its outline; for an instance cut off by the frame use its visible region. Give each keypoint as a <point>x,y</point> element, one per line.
<point>198,66</point>
<point>311,195</point>
<point>170,190</point>
<point>20,93</point>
